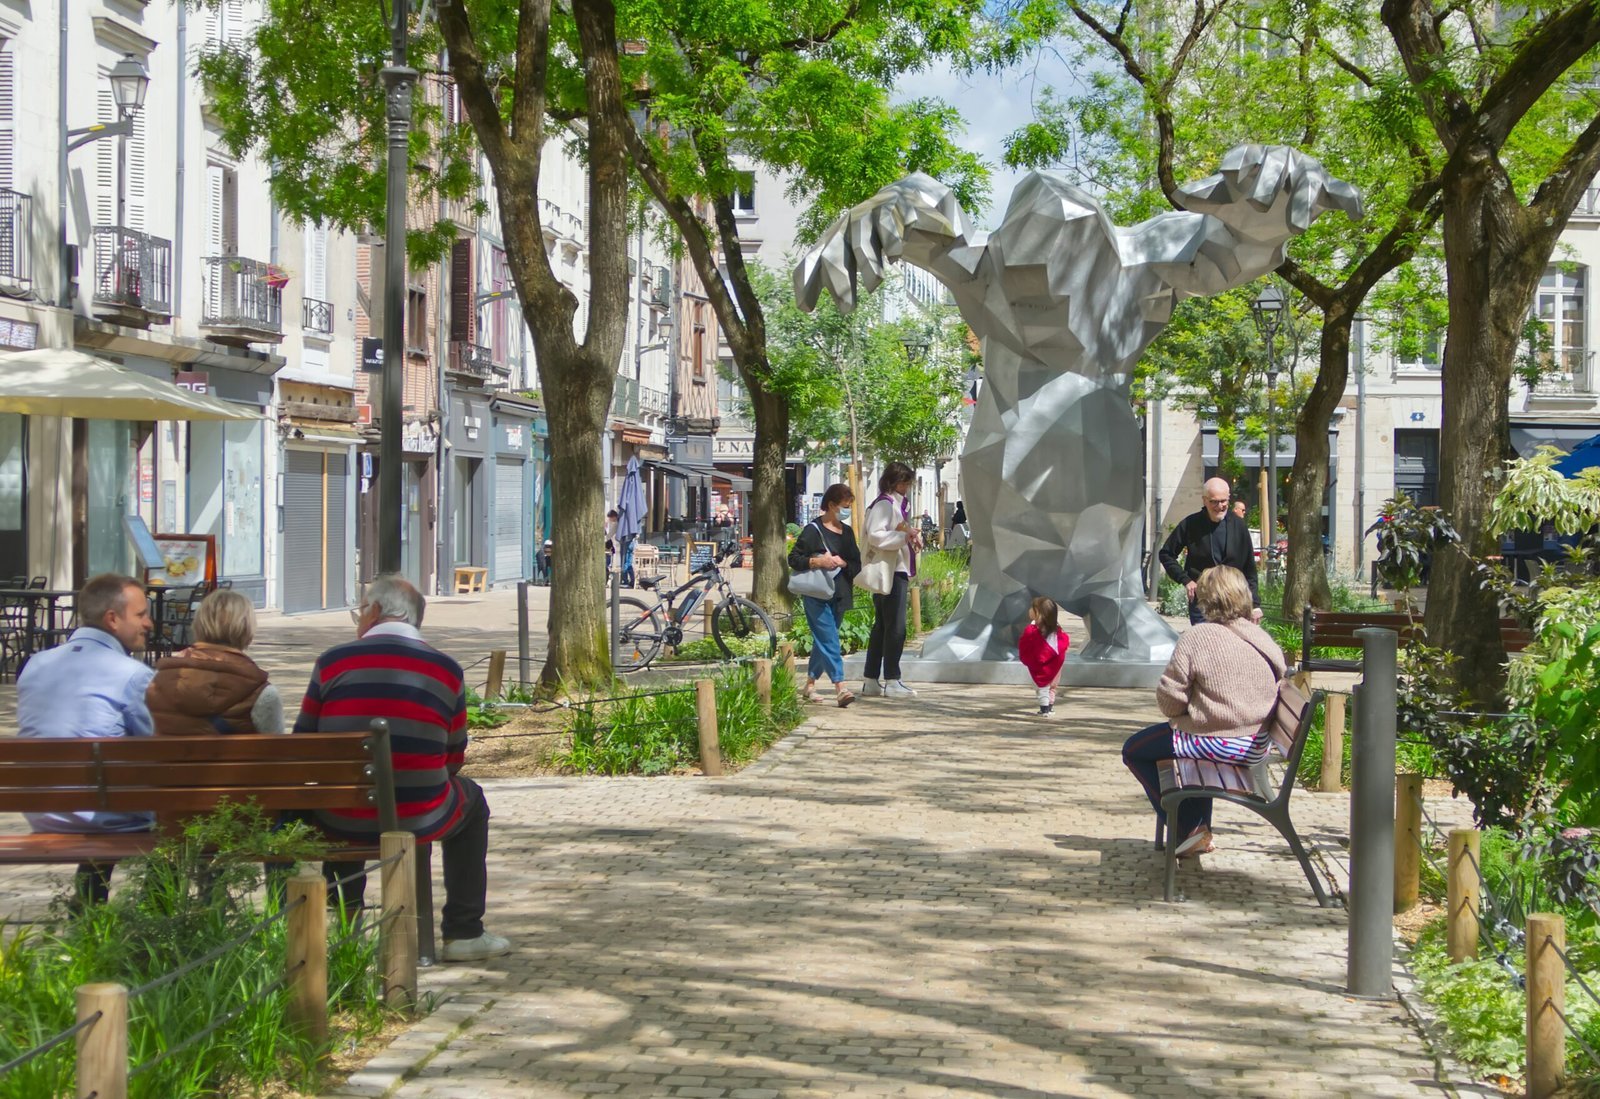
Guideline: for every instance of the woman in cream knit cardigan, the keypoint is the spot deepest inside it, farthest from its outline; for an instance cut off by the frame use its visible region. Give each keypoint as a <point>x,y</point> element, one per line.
<point>1218,689</point>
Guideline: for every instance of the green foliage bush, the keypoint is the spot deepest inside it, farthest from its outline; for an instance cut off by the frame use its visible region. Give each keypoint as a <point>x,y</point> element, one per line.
<point>175,905</point>
<point>653,733</point>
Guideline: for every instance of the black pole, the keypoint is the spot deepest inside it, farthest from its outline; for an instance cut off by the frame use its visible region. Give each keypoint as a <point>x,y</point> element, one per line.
<point>397,82</point>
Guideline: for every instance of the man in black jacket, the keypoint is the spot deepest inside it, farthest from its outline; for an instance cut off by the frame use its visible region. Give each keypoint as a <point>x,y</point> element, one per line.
<point>1211,536</point>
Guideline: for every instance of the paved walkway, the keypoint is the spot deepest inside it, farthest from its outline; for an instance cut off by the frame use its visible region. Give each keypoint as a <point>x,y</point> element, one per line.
<point>946,897</point>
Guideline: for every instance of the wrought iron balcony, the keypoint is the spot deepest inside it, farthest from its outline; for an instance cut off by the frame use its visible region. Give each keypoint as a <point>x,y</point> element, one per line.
<point>654,402</point>
<point>132,276</point>
<point>316,316</point>
<point>16,236</point>
<point>243,301</point>
<point>470,360</point>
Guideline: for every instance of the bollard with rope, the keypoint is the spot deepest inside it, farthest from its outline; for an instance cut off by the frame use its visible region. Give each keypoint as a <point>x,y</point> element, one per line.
<point>1462,903</point>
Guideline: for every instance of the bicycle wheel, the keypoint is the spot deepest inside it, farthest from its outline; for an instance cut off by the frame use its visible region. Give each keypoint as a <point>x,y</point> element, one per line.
<point>739,619</point>
<point>638,635</point>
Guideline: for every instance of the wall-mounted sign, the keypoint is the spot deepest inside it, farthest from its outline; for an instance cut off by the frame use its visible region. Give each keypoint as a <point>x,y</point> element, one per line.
<point>195,381</point>
<point>363,414</point>
<point>733,446</point>
<point>372,355</point>
<point>19,335</point>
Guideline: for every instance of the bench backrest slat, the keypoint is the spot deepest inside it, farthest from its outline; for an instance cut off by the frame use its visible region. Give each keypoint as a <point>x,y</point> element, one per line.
<point>34,776</point>
<point>1338,629</point>
<point>1302,733</point>
<point>66,799</point>
<point>243,748</point>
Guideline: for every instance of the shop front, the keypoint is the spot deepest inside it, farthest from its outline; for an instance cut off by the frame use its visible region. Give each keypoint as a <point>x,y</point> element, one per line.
<point>418,442</point>
<point>321,482</point>
<point>467,488</point>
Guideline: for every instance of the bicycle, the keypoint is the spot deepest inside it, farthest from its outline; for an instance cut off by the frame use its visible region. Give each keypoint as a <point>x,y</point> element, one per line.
<point>644,628</point>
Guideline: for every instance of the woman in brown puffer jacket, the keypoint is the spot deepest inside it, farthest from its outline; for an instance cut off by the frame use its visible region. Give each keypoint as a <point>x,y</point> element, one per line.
<point>212,686</point>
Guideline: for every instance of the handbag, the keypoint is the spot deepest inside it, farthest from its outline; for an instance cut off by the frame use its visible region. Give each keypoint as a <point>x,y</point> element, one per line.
<point>1283,722</point>
<point>877,570</point>
<point>816,583</point>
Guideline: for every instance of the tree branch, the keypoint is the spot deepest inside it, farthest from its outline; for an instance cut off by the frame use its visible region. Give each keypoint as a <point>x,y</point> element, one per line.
<point>1558,195</point>
<point>1422,52</point>
<point>472,84</point>
<point>1541,60</point>
<point>1165,142</point>
<point>532,72</point>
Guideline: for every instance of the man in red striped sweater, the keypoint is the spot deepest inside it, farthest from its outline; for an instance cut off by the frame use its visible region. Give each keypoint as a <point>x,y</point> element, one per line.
<point>389,671</point>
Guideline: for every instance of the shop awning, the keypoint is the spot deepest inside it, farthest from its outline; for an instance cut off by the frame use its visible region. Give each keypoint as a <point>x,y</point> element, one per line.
<point>1526,438</point>
<point>59,382</point>
<point>688,473</point>
<point>1250,453</point>
<point>731,482</point>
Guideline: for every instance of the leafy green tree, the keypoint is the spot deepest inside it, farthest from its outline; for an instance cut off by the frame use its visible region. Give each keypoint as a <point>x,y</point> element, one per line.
<point>1176,89</point>
<point>305,93</point>
<point>799,90</point>
<point>1501,90</point>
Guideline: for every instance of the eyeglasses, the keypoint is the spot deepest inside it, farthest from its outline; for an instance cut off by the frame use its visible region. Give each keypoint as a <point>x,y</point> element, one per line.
<point>1217,503</point>
<point>356,613</point>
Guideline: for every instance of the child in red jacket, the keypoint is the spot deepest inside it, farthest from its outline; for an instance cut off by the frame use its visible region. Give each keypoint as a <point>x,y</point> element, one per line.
<point>1042,649</point>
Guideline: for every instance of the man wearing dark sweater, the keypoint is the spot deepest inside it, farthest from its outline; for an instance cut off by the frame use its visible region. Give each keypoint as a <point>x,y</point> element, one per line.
<point>389,671</point>
<point>1211,536</point>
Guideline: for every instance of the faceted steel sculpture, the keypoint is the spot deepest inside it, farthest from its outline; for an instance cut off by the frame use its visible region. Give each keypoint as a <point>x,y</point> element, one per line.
<point>1065,302</point>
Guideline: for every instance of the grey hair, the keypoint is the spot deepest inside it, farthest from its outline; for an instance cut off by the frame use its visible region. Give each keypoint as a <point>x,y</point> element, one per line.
<point>396,597</point>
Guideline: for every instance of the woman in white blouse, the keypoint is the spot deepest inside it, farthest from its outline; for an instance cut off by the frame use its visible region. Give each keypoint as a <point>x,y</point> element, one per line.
<point>889,532</point>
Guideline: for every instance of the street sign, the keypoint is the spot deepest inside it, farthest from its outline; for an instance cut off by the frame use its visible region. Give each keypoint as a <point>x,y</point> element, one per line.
<point>372,355</point>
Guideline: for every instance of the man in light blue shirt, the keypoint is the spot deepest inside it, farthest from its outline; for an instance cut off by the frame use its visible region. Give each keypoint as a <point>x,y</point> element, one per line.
<point>88,687</point>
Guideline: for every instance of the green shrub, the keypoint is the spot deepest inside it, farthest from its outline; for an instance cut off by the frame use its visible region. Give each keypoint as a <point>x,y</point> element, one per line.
<point>653,733</point>
<point>705,650</point>
<point>177,904</point>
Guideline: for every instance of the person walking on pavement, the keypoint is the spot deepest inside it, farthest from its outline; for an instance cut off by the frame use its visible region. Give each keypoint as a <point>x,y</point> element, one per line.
<point>888,530</point>
<point>827,542</point>
<point>1211,536</point>
<point>89,686</point>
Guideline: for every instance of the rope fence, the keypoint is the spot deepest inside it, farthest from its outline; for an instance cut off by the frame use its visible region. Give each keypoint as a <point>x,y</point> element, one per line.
<point>207,1031</point>
<point>212,955</point>
<point>45,1047</point>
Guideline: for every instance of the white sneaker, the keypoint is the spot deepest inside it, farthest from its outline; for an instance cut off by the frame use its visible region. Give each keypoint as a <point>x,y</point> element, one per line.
<point>487,945</point>
<point>897,689</point>
<point>871,688</point>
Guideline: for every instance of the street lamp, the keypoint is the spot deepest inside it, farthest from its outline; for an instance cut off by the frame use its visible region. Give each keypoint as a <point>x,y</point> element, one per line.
<point>1271,312</point>
<point>130,81</point>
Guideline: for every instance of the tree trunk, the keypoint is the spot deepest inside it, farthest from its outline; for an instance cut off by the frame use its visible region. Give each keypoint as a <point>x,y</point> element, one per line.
<point>1307,578</point>
<point>769,493</point>
<point>577,396</point>
<point>1492,280</point>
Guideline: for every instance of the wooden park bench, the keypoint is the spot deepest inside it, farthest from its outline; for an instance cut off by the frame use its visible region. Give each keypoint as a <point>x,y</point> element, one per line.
<point>1337,629</point>
<point>196,774</point>
<point>1246,784</point>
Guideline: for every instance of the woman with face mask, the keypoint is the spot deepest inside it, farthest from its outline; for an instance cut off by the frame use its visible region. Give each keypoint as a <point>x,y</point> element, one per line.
<point>827,542</point>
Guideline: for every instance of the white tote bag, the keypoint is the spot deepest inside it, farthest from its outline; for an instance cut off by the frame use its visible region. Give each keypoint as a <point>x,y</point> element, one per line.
<point>877,570</point>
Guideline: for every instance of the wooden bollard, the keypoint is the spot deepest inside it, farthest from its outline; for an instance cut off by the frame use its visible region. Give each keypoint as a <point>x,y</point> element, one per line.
<point>914,619</point>
<point>786,654</point>
<point>397,938</point>
<point>1547,1002</point>
<point>306,958</point>
<point>1333,745</point>
<point>705,705</point>
<point>497,674</point>
<point>763,668</point>
<point>102,1067</point>
<point>1407,840</point>
<point>1462,904</point>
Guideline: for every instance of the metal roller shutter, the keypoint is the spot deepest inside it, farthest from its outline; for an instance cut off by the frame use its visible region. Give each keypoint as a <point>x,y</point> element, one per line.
<point>302,530</point>
<point>338,485</point>
<point>508,524</point>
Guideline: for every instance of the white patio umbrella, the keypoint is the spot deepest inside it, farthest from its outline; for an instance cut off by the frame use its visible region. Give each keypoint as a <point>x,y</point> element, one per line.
<point>59,382</point>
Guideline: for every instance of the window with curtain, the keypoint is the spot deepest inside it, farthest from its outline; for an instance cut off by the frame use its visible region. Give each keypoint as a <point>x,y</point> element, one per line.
<point>1560,305</point>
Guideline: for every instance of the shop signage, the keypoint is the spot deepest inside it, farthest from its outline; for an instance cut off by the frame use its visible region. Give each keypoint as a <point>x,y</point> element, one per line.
<point>419,438</point>
<point>733,447</point>
<point>371,355</point>
<point>514,436</point>
<point>195,381</point>
<point>19,335</point>
<point>363,414</point>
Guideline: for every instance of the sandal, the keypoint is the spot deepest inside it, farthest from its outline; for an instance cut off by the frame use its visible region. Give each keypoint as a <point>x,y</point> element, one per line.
<point>809,691</point>
<point>845,697</point>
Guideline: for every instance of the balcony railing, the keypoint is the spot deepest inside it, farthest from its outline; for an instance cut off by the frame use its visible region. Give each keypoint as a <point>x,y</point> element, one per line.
<point>1589,204</point>
<point>16,235</point>
<point>132,274</point>
<point>243,300</point>
<point>316,316</point>
<point>654,402</point>
<point>625,398</point>
<point>470,360</point>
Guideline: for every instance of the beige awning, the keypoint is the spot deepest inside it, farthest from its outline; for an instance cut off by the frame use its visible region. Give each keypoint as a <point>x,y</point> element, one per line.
<point>58,382</point>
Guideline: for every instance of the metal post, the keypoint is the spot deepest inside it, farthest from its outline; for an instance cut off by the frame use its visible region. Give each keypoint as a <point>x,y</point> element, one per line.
<point>122,190</point>
<point>524,671</point>
<point>1272,453</point>
<point>397,82</point>
<point>1371,942</point>
<point>616,616</point>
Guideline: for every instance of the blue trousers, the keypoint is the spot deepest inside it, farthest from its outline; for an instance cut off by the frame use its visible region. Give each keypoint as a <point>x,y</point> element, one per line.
<point>826,659</point>
<point>1140,754</point>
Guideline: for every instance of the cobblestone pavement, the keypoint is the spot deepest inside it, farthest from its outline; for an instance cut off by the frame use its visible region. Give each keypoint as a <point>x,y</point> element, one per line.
<point>942,897</point>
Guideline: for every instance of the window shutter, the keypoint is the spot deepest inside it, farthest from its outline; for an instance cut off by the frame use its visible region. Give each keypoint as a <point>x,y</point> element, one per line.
<point>7,115</point>
<point>316,263</point>
<point>233,19</point>
<point>213,272</point>
<point>463,288</point>
<point>136,174</point>
<point>105,160</point>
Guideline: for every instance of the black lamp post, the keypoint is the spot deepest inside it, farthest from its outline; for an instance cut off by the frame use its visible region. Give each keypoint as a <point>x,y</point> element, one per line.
<point>1271,310</point>
<point>130,81</point>
<point>397,81</point>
